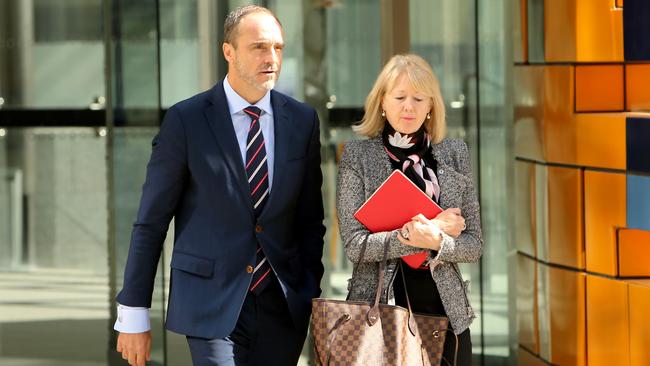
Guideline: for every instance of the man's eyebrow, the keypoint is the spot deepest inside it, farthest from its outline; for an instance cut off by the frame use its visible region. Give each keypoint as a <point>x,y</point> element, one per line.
<point>265,42</point>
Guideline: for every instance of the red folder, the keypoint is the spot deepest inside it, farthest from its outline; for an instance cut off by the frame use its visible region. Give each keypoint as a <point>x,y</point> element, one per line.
<point>392,205</point>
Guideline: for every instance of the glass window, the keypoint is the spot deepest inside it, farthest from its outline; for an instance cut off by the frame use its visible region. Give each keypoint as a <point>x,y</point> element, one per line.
<point>53,269</point>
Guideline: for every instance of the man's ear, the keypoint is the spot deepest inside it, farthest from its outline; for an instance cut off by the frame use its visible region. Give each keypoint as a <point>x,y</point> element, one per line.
<point>228,51</point>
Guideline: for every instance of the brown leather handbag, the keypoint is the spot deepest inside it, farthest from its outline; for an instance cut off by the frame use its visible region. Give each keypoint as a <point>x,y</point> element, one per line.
<point>360,333</point>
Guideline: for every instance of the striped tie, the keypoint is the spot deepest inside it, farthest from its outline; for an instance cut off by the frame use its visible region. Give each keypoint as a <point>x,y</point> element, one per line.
<point>258,181</point>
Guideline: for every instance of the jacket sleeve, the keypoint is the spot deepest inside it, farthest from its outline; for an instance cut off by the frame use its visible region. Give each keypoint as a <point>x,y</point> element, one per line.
<point>350,195</point>
<point>468,246</point>
<point>164,183</point>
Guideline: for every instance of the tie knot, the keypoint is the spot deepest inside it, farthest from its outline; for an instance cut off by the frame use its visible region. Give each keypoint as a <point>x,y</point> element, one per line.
<point>253,112</point>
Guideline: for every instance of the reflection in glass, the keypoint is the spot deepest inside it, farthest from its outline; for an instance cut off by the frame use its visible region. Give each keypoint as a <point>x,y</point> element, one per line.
<point>53,268</point>
<point>43,42</point>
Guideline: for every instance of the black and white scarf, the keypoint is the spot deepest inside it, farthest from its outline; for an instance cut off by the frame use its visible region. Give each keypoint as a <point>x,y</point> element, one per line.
<point>411,153</point>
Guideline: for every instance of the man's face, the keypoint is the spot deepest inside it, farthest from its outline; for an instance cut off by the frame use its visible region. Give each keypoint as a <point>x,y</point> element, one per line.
<point>256,55</point>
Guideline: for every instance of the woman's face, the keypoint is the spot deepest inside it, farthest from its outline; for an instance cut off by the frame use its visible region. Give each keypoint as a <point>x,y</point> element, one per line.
<point>406,108</point>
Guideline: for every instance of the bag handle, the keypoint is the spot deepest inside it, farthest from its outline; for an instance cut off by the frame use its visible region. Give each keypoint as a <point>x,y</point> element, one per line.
<point>412,323</point>
<point>373,313</point>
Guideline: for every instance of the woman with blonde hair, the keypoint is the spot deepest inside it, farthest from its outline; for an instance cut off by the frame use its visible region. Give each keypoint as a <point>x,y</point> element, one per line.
<point>405,124</point>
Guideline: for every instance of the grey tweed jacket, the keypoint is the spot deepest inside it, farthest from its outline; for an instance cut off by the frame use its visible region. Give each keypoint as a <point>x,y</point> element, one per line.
<point>363,168</point>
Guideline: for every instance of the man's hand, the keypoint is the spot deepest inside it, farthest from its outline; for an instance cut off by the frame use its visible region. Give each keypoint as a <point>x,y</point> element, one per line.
<point>135,347</point>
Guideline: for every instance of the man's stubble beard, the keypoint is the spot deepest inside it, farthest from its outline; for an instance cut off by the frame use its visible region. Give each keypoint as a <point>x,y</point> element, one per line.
<point>250,79</point>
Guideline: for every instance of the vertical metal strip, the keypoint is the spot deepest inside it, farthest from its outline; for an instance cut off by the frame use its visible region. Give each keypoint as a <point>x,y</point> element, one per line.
<point>162,261</point>
<point>110,198</point>
<point>477,182</point>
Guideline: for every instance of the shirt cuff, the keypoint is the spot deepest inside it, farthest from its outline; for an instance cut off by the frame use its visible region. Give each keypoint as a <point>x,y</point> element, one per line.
<point>132,319</point>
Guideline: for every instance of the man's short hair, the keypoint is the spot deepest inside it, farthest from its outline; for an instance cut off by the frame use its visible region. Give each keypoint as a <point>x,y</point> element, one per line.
<point>234,18</point>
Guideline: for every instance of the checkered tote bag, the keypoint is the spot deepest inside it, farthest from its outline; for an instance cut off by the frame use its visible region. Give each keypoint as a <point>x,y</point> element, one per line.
<point>358,333</point>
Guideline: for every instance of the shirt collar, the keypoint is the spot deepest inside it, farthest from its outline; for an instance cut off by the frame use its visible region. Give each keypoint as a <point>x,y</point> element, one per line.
<point>236,103</point>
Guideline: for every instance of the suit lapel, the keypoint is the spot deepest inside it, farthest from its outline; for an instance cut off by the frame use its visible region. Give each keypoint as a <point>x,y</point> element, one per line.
<point>218,118</point>
<point>449,179</point>
<point>383,164</point>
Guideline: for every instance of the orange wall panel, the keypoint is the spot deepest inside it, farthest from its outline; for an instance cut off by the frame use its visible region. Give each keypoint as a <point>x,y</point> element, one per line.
<point>560,30</point>
<point>634,252</point>
<point>525,358</point>
<point>639,323</point>
<point>608,340</point>
<point>525,228</point>
<point>604,213</point>
<point>559,130</point>
<point>541,212</point>
<point>520,34</point>
<point>601,140</point>
<point>529,112</point>
<point>583,31</point>
<point>527,323</point>
<point>599,88</point>
<point>599,33</point>
<point>543,311</point>
<point>637,79</point>
<point>565,217</point>
<point>567,310</point>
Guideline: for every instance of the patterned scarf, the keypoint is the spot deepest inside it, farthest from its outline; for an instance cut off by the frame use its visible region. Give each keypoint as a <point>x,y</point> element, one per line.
<point>412,155</point>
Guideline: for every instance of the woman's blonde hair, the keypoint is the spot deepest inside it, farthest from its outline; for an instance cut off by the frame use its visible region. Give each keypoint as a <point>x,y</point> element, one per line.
<point>422,78</point>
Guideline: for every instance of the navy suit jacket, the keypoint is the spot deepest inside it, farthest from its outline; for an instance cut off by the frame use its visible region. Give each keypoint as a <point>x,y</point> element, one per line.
<point>196,175</point>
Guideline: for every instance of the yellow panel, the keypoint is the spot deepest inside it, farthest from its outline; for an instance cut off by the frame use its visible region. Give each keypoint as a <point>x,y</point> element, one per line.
<point>639,323</point>
<point>560,30</point>
<point>637,79</point>
<point>634,252</point>
<point>607,322</point>
<point>619,3</point>
<point>565,217</point>
<point>599,33</point>
<point>567,309</point>
<point>605,205</point>
<point>599,88</point>
<point>528,111</point>
<point>525,203</point>
<point>559,129</point>
<point>527,303</point>
<point>601,140</point>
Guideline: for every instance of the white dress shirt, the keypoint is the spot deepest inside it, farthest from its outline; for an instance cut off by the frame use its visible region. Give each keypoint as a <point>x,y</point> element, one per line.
<point>136,319</point>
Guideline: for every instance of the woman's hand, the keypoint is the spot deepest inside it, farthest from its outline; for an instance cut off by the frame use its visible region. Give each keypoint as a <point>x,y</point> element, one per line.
<point>422,233</point>
<point>450,221</point>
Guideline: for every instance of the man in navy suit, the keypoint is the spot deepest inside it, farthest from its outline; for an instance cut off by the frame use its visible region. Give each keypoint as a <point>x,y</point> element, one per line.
<point>238,168</point>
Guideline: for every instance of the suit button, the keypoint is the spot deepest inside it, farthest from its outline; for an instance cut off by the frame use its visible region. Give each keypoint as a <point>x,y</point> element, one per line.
<point>249,269</point>
<point>259,229</point>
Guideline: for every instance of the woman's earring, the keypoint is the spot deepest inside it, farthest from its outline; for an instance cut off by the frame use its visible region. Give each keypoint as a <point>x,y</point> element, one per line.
<point>428,115</point>
<point>383,113</point>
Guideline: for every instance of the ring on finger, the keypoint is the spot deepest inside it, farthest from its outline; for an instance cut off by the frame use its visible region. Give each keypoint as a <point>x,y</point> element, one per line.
<point>405,233</point>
